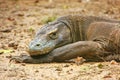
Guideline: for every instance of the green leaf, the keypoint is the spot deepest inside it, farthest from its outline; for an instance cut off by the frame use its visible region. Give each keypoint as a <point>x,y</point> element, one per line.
<point>65,7</point>
<point>31,29</point>
<point>100,66</point>
<point>84,68</point>
<point>48,19</point>
<point>6,51</point>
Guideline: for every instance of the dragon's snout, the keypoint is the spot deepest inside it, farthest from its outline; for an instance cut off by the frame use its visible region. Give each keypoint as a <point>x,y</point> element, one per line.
<point>34,49</point>
<point>40,47</point>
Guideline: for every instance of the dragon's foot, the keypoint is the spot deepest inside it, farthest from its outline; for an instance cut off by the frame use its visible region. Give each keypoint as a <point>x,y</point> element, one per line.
<point>29,59</point>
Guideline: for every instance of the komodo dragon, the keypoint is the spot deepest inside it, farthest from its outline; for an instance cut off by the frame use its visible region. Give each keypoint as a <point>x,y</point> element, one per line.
<point>93,38</point>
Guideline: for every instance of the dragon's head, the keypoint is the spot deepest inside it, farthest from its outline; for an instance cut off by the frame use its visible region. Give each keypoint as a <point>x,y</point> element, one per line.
<point>49,37</point>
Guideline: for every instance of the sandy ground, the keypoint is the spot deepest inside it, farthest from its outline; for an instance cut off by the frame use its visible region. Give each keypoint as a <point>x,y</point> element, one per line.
<point>20,19</point>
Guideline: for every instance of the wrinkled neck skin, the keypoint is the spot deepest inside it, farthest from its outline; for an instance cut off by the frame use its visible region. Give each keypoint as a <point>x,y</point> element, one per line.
<point>49,37</point>
<point>64,36</point>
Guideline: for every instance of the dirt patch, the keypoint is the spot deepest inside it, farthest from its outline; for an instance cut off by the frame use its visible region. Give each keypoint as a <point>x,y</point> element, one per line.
<point>20,19</point>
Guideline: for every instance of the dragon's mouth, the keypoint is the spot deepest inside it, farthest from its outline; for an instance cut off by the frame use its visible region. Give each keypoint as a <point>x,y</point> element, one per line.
<point>34,52</point>
<point>39,52</point>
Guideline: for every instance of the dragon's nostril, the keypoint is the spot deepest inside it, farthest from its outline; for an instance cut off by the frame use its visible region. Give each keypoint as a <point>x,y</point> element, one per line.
<point>37,44</point>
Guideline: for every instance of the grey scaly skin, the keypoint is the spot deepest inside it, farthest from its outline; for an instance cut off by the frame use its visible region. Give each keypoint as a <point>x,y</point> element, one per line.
<point>71,36</point>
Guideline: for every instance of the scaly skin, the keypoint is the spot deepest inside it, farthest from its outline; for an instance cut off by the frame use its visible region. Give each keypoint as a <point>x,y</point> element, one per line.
<point>71,36</point>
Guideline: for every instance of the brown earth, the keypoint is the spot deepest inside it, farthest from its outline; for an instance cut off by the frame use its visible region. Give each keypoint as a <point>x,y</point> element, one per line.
<point>20,19</point>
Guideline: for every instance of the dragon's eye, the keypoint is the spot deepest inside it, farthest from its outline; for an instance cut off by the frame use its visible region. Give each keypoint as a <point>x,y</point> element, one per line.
<point>53,35</point>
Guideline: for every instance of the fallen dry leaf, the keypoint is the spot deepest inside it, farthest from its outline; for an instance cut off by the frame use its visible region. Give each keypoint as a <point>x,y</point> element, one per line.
<point>113,62</point>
